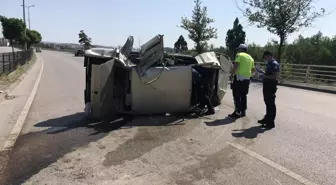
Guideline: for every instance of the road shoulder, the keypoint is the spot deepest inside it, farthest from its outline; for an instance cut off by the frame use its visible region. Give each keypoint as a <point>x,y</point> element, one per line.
<point>10,81</point>
<point>306,86</point>
<point>11,109</point>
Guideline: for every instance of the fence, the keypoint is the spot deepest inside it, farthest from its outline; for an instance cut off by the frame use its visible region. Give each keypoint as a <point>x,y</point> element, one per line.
<point>11,61</point>
<point>316,74</point>
<point>69,50</point>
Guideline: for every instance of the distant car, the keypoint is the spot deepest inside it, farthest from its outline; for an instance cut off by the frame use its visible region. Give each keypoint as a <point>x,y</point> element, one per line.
<point>79,52</point>
<point>38,50</point>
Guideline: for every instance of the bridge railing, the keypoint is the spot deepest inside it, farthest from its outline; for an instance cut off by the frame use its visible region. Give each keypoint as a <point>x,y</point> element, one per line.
<point>316,74</point>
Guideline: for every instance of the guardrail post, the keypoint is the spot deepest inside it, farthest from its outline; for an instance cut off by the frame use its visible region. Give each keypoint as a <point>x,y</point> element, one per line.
<point>281,65</point>
<point>16,60</point>
<point>9,63</point>
<point>307,74</point>
<point>3,63</point>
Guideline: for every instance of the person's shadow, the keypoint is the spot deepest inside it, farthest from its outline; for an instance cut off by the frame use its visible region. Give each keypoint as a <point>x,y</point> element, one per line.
<point>220,122</point>
<point>249,133</point>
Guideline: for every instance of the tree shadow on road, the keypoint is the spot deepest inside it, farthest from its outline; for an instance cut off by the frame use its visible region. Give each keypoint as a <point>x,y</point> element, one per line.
<point>37,150</point>
<point>249,133</point>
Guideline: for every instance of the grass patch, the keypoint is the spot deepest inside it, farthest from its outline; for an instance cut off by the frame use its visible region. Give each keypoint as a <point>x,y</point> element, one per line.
<point>7,79</point>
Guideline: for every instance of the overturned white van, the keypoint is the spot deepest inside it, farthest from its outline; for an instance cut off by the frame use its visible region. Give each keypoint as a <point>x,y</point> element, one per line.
<point>149,81</point>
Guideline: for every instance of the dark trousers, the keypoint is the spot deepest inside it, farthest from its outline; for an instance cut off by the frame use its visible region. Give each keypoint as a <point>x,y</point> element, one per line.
<point>240,90</point>
<point>269,91</point>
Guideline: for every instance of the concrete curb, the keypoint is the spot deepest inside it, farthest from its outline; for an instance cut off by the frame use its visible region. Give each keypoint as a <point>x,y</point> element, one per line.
<point>310,87</point>
<point>24,113</point>
<point>317,89</point>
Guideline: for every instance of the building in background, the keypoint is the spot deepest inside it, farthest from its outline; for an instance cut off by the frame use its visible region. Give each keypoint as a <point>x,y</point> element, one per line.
<point>3,41</point>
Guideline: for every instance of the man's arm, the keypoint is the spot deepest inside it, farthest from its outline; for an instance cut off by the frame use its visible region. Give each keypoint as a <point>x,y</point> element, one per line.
<point>253,70</point>
<point>273,76</point>
<point>234,68</point>
<point>235,64</point>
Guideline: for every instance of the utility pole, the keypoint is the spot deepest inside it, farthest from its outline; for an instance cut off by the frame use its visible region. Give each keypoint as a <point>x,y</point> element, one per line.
<point>24,20</point>
<point>28,7</point>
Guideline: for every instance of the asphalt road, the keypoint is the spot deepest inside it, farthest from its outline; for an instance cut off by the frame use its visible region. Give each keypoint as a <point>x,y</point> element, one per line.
<point>56,146</point>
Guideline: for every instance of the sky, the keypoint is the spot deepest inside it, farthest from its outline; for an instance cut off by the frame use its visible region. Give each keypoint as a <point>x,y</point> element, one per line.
<point>110,22</point>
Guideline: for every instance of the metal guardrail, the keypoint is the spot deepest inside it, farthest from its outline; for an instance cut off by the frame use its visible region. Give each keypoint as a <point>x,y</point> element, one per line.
<point>11,61</point>
<point>316,74</point>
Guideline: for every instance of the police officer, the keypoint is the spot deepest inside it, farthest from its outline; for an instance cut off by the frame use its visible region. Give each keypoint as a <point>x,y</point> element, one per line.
<point>242,71</point>
<point>270,83</point>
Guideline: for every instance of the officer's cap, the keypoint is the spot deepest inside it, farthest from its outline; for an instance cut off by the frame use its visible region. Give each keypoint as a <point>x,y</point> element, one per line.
<point>242,46</point>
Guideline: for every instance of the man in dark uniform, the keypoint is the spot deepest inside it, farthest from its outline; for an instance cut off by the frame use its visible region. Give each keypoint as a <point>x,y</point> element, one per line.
<point>270,83</point>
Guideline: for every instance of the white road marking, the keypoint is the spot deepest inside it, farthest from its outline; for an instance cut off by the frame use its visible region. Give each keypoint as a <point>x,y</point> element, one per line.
<point>272,164</point>
<point>24,113</point>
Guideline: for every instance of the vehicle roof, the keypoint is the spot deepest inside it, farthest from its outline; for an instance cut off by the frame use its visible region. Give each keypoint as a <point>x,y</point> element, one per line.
<point>179,54</point>
<point>100,52</point>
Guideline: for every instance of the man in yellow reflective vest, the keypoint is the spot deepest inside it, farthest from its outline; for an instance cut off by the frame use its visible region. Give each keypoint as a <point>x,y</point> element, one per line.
<point>242,71</point>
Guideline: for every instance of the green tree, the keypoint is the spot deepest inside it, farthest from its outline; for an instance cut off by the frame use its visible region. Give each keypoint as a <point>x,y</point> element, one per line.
<point>13,29</point>
<point>281,17</point>
<point>221,49</point>
<point>34,37</point>
<point>211,47</point>
<point>235,37</point>
<point>199,27</point>
<point>316,50</point>
<point>181,45</point>
<point>84,40</point>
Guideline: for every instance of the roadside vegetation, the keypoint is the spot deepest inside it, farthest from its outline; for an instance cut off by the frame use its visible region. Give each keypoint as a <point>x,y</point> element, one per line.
<point>279,17</point>
<point>84,40</point>
<point>17,33</point>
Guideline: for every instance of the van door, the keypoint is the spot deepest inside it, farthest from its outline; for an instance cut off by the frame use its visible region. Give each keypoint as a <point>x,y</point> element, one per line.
<point>150,53</point>
<point>221,72</point>
<point>223,76</point>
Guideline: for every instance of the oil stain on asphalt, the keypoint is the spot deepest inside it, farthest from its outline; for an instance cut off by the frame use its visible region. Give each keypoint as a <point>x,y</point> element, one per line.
<point>148,137</point>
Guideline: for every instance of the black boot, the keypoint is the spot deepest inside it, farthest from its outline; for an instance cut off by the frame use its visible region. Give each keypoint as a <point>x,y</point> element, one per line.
<point>235,115</point>
<point>210,112</point>
<point>262,121</point>
<point>268,124</point>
